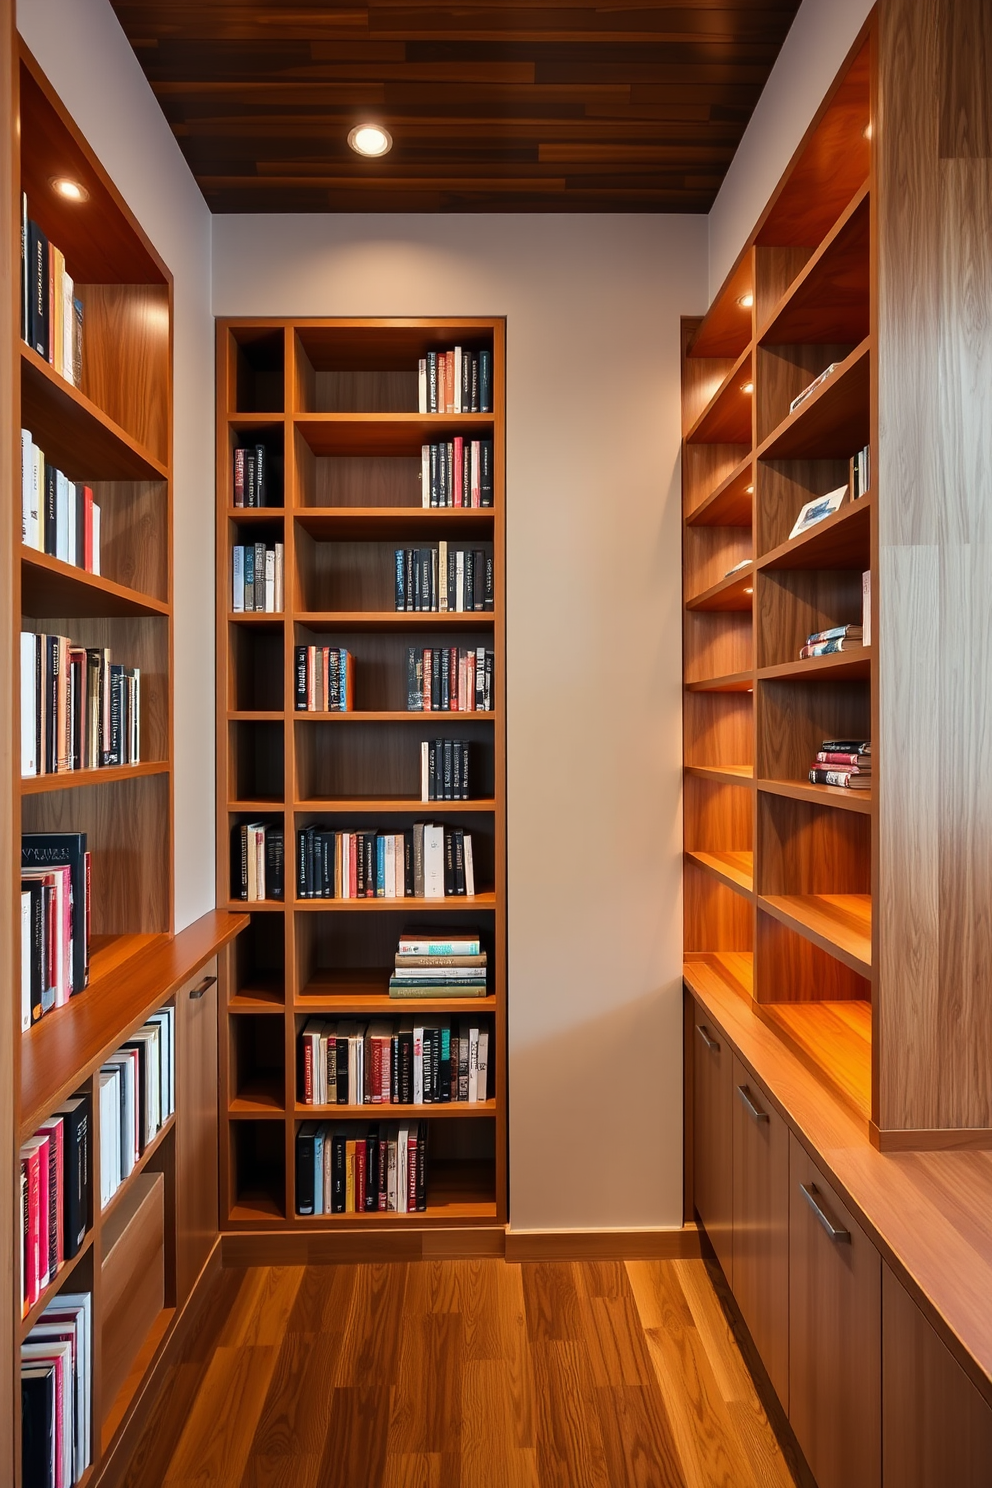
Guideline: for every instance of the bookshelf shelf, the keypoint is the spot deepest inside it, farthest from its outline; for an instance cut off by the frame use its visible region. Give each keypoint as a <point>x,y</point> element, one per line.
<point>734,592</point>
<point>833,421</point>
<point>840,541</point>
<point>830,299</point>
<point>351,468</point>
<point>730,504</point>
<point>49,586</point>
<point>39,785</point>
<point>844,666</point>
<point>735,682</point>
<point>732,774</point>
<point>726,419</point>
<point>725,329</point>
<point>820,795</point>
<point>56,1285</point>
<point>736,869</point>
<point>834,1040</point>
<point>838,923</point>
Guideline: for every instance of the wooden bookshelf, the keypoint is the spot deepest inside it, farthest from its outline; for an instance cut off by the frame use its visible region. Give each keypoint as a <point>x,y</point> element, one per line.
<point>779,872</point>
<point>115,433</point>
<point>336,401</point>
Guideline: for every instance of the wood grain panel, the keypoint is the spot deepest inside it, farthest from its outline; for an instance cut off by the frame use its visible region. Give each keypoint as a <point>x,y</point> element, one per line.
<point>198,1135</point>
<point>718,815</point>
<point>715,916</point>
<point>717,645</point>
<point>795,717</point>
<point>712,1139</point>
<point>127,356</point>
<point>719,728</point>
<point>794,604</point>
<point>783,489</point>
<point>709,552</point>
<point>791,964</point>
<point>809,849</point>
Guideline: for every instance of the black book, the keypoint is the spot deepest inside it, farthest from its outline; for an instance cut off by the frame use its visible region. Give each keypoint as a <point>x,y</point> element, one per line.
<point>141,1094</point>
<point>475,382</point>
<point>302,679</point>
<point>239,863</point>
<point>408,863</point>
<point>59,849</point>
<point>489,584</point>
<point>448,771</point>
<point>467,473</point>
<point>436,679</point>
<point>399,599</point>
<point>414,680</point>
<point>111,752</point>
<point>394,1071</point>
<point>25,270</point>
<point>339,1174</point>
<point>259,576</point>
<point>333,700</point>
<point>327,841</point>
<point>485,472</point>
<point>444,1068</point>
<point>304,1167</point>
<point>37,1424</point>
<point>469,580</point>
<point>478,580</point>
<point>446,679</point>
<point>417,591</point>
<point>370,864</point>
<point>432,382</point>
<point>38,307</point>
<point>487,682</point>
<point>449,474</point>
<point>250,497</point>
<point>456,770</point>
<point>75,1172</point>
<point>485,381</point>
<point>383,1165</point>
<point>360,865</point>
<point>35,889</point>
<point>466,381</point>
<point>459,849</point>
<point>406,1067</point>
<point>452,578</point>
<point>372,1169</point>
<point>274,863</point>
<point>341,1065</point>
<point>465,791</point>
<point>427,1074</point>
<point>426,595</point>
<point>435,477</point>
<point>261,475</point>
<point>408,571</point>
<point>303,855</point>
<point>421,1172</point>
<point>51,509</point>
<point>449,864</point>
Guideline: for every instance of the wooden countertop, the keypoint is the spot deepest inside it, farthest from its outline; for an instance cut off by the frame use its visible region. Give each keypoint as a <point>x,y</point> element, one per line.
<point>929,1213</point>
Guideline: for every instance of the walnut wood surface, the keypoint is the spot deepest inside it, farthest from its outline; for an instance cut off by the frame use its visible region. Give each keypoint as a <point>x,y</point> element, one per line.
<point>712,1139</point>
<point>198,1134</point>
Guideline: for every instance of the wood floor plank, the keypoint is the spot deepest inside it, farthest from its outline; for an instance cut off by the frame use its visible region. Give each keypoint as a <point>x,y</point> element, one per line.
<point>355,1448</point>
<point>264,1306</point>
<point>412,1470</point>
<point>640,1451</point>
<point>494,1451</point>
<point>150,1463</point>
<point>216,1439</point>
<point>373,1327</point>
<point>551,1302</point>
<point>491,1302</point>
<point>297,1409</point>
<point>323,1300</point>
<point>426,1411</point>
<point>281,1472</point>
<point>570,1452</point>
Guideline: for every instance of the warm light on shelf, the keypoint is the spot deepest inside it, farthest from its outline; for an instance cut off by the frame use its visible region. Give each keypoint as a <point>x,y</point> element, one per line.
<point>866,132</point>
<point>749,590</point>
<point>747,387</point>
<point>71,190</point>
<point>370,139</point>
<point>749,490</point>
<point>746,300</point>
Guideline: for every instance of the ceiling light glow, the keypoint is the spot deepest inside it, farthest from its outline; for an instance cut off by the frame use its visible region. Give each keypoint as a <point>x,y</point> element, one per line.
<point>370,139</point>
<point>66,187</point>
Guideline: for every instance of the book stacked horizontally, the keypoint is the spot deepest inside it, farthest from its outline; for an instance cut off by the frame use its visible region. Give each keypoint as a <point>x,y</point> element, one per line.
<point>843,762</point>
<point>439,966</point>
<point>829,642</point>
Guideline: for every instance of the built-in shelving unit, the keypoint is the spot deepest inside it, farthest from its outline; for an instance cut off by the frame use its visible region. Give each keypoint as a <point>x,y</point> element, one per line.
<point>336,403</point>
<point>779,872</point>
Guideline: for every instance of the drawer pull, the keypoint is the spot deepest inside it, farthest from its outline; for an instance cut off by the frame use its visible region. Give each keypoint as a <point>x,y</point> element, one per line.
<point>196,993</point>
<point>749,1105</point>
<point>809,1194</point>
<point>710,1043</point>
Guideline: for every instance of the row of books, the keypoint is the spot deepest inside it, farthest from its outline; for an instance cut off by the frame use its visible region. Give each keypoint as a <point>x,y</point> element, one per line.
<point>860,473</point>
<point>58,516</point>
<point>257,862</point>
<point>251,475</point>
<point>413,1062</point>
<point>57,1394</point>
<point>358,1169</point>
<point>444,772</point>
<point>55,921</point>
<point>258,579</point>
<point>456,381</point>
<point>449,679</point>
<point>457,473</point>
<point>79,710</point>
<point>325,680</point>
<point>843,762</point>
<point>443,966</point>
<point>830,642</point>
<point>426,861</point>
<point>443,580</point>
<point>137,1086</point>
<point>51,311</point>
<point>55,1197</point>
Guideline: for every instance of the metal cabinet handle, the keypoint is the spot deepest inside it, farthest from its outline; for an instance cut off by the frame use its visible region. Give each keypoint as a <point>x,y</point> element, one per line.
<point>710,1043</point>
<point>197,992</point>
<point>809,1194</point>
<point>749,1105</point>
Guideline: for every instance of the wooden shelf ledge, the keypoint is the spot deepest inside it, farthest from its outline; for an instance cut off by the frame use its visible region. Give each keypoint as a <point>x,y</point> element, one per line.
<point>844,666</point>
<point>731,504</point>
<point>733,592</point>
<point>409,715</point>
<point>457,903</point>
<point>725,329</point>
<point>819,795</point>
<point>399,805</point>
<point>735,869</point>
<point>829,299</point>
<point>726,419</point>
<point>833,1039</point>
<point>732,971</point>
<point>379,523</point>
<point>735,682</point>
<point>386,433</point>
<point>323,620</point>
<point>841,541</point>
<point>839,924</point>
<point>51,587</point>
<point>729,774</point>
<point>834,421</point>
<point>386,1112</point>
<point>36,785</point>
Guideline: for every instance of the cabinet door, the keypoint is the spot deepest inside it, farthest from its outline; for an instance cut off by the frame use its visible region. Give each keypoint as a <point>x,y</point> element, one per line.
<point>712,1143</point>
<point>835,1328</point>
<point>197,1119</point>
<point>761,1225</point>
<point>936,1427</point>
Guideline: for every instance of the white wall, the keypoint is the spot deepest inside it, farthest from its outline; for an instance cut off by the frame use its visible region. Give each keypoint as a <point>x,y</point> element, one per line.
<point>818,41</point>
<point>594,666</point>
<point>86,56</point>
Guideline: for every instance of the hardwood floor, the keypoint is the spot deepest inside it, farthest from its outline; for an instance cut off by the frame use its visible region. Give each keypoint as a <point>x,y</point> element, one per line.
<point>462,1374</point>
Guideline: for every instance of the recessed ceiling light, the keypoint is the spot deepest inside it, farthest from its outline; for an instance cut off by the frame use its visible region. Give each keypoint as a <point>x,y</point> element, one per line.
<point>370,139</point>
<point>70,189</point>
<point>747,387</point>
<point>746,301</point>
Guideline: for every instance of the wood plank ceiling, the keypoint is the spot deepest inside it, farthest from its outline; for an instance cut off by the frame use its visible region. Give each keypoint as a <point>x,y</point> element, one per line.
<point>493,105</point>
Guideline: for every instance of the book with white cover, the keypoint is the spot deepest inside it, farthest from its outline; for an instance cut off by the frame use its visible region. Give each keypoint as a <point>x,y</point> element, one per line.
<point>433,861</point>
<point>29,703</point>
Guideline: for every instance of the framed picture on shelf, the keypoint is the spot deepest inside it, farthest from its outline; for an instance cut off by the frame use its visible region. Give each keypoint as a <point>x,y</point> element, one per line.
<point>816,510</point>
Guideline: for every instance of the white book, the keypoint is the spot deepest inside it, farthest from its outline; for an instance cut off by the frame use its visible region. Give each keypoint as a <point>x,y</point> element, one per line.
<point>458,380</point>
<point>238,572</point>
<point>29,703</point>
<point>866,607</point>
<point>402,1136</point>
<point>425,771</point>
<point>422,391</point>
<point>68,324</point>
<point>38,461</point>
<point>270,581</point>
<point>29,493</point>
<point>165,1018</point>
<point>61,517</point>
<point>390,868</point>
<point>469,867</point>
<point>345,865</point>
<point>110,1134</point>
<point>25,960</point>
<point>481,1091</point>
<point>460,581</point>
<point>280,577</point>
<point>72,494</point>
<point>425,472</point>
<point>442,576</point>
<point>433,861</point>
<point>391,1174</point>
<point>130,1128</point>
<point>473,1065</point>
<point>77,1308</point>
<point>96,537</point>
<point>399,848</point>
<point>136,735</point>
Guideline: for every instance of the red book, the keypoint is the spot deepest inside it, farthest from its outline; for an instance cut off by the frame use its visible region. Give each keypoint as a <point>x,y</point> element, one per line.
<point>453,683</point>
<point>459,464</point>
<point>56,1192</point>
<point>383,1167</point>
<point>411,1172</point>
<point>475,483</point>
<point>308,1070</point>
<point>88,528</point>
<point>427,679</point>
<point>239,477</point>
<point>376,1082</point>
<point>353,866</point>
<point>361,1156</point>
<point>31,1163</point>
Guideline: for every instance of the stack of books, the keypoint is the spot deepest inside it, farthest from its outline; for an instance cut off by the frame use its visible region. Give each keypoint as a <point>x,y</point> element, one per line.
<point>828,642</point>
<point>358,1169</point>
<point>457,473</point>
<point>456,381</point>
<point>388,1062</point>
<point>258,579</point>
<point>137,1087</point>
<point>843,762</point>
<point>79,710</point>
<point>439,965</point>
<point>426,861</point>
<point>58,516</point>
<point>56,1393</point>
<point>55,1197</point>
<point>51,312</point>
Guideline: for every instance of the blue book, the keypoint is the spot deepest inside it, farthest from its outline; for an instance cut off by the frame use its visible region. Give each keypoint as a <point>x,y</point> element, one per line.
<point>318,1171</point>
<point>380,867</point>
<point>249,576</point>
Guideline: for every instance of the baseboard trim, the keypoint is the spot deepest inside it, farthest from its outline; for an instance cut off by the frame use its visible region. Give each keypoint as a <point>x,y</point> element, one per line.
<point>117,1460</point>
<point>265,1248</point>
<point>603,1245</point>
<point>940,1139</point>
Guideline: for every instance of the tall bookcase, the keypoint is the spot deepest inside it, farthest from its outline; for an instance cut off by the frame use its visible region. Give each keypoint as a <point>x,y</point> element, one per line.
<point>780,873</point>
<point>334,402</point>
<point>113,432</point>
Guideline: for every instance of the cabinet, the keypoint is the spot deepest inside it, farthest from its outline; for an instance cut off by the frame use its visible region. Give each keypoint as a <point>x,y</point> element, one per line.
<point>196,1072</point>
<point>761,1224</point>
<point>936,1428</point>
<point>835,1289</point>
<point>712,1166</point>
